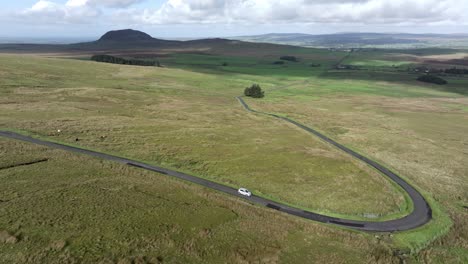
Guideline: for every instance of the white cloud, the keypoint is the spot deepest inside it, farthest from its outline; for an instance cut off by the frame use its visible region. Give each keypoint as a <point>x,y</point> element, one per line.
<point>76,3</point>
<point>304,11</point>
<point>49,12</point>
<point>105,3</point>
<point>44,6</point>
<point>73,11</point>
<point>253,12</point>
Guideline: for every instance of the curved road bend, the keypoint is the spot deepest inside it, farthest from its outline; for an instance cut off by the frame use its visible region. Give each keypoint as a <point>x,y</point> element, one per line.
<point>420,215</point>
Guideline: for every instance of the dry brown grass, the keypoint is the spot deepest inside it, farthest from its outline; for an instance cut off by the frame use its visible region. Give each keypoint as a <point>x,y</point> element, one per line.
<point>167,117</point>
<point>185,120</point>
<point>423,139</point>
<point>79,209</point>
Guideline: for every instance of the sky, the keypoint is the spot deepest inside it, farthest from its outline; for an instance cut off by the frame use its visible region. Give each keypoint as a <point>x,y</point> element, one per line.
<point>88,19</point>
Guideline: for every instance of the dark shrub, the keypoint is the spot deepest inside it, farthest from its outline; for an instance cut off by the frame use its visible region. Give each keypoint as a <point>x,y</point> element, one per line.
<point>254,91</point>
<point>456,71</point>
<point>224,64</point>
<point>289,58</point>
<point>432,79</point>
<point>117,60</point>
<point>278,62</point>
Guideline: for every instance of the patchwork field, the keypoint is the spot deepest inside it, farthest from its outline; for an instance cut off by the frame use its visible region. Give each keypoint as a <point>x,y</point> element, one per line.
<point>402,60</point>
<point>185,116</point>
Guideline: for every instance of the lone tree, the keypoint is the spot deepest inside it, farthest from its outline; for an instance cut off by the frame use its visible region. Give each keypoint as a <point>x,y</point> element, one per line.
<point>254,91</point>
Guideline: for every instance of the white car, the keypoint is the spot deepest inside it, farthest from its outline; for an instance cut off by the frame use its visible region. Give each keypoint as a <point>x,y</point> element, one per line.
<point>244,192</point>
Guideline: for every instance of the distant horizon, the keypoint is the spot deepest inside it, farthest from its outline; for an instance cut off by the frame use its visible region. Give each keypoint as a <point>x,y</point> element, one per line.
<point>69,39</point>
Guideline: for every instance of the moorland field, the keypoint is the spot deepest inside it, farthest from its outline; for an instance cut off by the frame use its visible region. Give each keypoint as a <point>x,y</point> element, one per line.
<point>364,40</point>
<point>184,116</point>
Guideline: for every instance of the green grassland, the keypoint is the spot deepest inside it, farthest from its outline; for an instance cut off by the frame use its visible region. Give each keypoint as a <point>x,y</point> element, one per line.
<point>419,131</point>
<point>259,66</point>
<point>377,59</point>
<point>185,116</point>
<point>192,122</point>
<point>416,129</point>
<point>398,66</point>
<point>102,212</point>
<point>370,62</point>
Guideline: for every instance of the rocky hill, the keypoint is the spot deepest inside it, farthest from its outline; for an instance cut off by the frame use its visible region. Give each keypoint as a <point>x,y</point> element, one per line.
<point>126,35</point>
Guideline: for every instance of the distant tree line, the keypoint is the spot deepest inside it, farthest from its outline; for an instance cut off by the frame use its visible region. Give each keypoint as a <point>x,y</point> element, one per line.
<point>289,58</point>
<point>118,60</point>
<point>254,91</point>
<point>432,79</point>
<point>456,71</point>
<point>439,71</point>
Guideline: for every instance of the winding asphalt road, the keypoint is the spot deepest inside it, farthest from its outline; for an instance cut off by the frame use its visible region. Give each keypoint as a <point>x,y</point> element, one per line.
<point>419,216</point>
